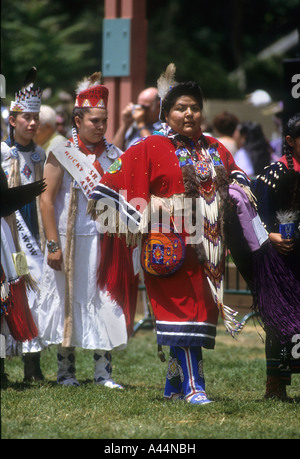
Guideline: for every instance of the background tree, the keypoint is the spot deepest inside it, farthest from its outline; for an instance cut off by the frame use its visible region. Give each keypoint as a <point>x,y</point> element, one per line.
<point>207,39</point>
<point>64,43</point>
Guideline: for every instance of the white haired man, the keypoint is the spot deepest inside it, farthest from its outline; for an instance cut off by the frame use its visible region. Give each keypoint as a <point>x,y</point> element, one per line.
<point>47,136</point>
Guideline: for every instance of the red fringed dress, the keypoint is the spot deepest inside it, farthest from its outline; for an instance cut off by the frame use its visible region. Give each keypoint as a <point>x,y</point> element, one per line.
<point>186,304</point>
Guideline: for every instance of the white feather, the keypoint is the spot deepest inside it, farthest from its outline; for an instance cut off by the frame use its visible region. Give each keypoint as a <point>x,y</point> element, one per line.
<point>287,216</point>
<point>166,81</point>
<point>89,82</point>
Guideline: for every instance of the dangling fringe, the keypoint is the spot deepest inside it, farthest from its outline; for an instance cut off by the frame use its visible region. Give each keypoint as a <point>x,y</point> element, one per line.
<point>222,183</point>
<point>251,197</point>
<point>30,282</point>
<point>14,178</point>
<point>174,203</point>
<point>232,325</point>
<point>214,268</point>
<point>228,315</point>
<point>91,209</point>
<point>5,294</point>
<point>39,176</point>
<point>116,276</point>
<point>276,294</point>
<point>19,319</point>
<point>69,267</point>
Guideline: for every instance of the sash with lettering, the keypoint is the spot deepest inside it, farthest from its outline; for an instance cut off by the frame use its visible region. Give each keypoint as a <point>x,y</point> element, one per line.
<point>121,284</point>
<point>33,254</point>
<point>79,166</point>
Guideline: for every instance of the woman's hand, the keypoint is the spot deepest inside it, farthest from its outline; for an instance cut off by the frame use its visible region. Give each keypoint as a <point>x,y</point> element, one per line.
<point>283,246</point>
<point>55,260</point>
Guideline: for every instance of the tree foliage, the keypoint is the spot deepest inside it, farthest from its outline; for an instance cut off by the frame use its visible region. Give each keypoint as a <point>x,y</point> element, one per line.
<point>62,43</point>
<point>209,39</point>
<point>206,39</point>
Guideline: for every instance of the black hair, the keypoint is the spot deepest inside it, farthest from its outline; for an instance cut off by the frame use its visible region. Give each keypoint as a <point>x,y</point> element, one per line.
<point>256,145</point>
<point>12,129</point>
<point>189,88</point>
<point>293,130</point>
<point>293,126</point>
<point>78,111</point>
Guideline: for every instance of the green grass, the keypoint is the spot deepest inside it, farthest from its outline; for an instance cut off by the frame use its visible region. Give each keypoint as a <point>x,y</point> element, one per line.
<point>235,380</point>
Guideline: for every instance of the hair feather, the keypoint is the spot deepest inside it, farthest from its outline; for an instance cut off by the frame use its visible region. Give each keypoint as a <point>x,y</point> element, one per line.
<point>166,81</point>
<point>88,82</point>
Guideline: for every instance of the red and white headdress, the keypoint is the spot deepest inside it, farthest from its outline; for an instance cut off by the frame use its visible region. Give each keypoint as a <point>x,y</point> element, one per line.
<point>91,93</point>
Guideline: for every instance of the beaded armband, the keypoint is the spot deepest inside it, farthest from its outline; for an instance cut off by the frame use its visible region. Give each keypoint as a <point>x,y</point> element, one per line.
<point>52,246</point>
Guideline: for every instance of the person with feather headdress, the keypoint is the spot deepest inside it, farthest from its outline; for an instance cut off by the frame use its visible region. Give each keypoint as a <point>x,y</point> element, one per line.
<point>22,161</point>
<point>178,172</point>
<point>16,318</point>
<point>72,310</point>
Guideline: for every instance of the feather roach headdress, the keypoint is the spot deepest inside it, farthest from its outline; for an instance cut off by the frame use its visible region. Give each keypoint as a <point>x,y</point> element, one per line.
<point>91,93</point>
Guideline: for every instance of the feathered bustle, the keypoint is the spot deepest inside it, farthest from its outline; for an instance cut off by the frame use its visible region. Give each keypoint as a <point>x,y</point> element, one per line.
<point>166,81</point>
<point>88,82</point>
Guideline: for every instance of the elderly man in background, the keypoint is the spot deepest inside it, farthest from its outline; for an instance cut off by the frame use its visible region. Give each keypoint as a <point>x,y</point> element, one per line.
<point>139,121</point>
<point>47,135</point>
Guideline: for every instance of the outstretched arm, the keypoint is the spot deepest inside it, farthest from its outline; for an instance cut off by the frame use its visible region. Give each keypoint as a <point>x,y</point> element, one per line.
<point>53,174</point>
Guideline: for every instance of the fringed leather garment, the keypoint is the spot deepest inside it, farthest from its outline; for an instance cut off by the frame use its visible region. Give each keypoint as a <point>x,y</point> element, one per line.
<point>172,168</point>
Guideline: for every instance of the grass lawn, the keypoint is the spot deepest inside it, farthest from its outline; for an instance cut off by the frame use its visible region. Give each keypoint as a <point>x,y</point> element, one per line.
<point>235,380</point>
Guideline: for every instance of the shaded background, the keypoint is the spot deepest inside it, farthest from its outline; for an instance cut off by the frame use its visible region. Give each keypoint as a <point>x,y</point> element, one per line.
<point>216,42</point>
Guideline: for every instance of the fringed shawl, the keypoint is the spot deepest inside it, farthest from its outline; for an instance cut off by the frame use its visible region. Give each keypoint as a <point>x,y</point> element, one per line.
<point>150,170</point>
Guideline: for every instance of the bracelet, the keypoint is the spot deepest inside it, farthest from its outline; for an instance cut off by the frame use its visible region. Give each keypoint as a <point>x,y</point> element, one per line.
<point>52,246</point>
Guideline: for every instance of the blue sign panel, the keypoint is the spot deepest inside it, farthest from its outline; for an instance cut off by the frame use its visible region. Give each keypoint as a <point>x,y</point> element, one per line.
<point>116,47</point>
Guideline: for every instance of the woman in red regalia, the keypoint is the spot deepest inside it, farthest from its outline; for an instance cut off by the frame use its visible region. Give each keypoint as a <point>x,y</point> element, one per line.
<point>186,174</point>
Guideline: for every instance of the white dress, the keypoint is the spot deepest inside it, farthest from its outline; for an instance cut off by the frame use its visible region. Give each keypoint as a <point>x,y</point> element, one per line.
<point>98,322</point>
<point>26,162</point>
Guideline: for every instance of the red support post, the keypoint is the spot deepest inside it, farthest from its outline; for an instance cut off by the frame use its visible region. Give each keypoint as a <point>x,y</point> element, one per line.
<point>123,90</point>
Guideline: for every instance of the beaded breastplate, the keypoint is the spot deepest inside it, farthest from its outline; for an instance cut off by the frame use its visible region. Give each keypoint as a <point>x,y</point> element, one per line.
<point>203,160</point>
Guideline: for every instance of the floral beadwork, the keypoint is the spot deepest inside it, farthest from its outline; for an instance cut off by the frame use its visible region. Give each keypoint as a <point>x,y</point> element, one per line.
<point>184,156</point>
